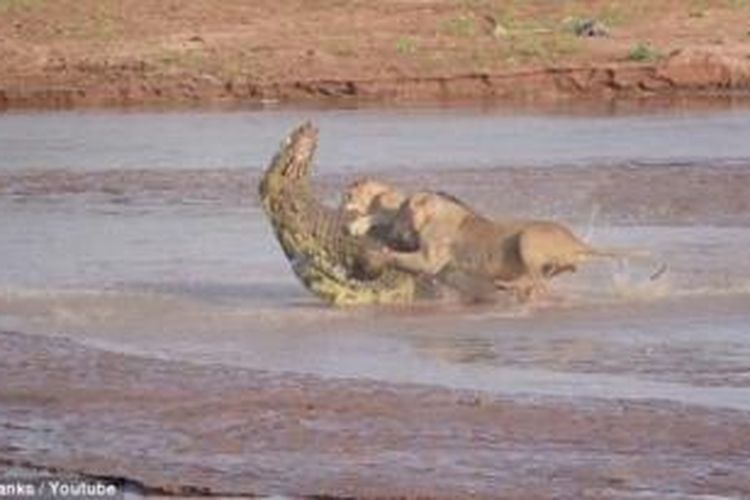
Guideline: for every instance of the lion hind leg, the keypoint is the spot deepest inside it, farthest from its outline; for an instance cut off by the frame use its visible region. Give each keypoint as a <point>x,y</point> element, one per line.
<point>539,286</point>
<point>524,288</point>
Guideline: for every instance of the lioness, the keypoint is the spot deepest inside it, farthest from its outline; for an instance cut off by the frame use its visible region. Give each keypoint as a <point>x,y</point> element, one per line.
<point>373,204</point>
<point>384,212</point>
<point>516,255</point>
<point>452,241</point>
<point>438,235</point>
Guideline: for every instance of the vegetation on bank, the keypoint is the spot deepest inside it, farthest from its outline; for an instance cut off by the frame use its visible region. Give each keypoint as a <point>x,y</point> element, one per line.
<point>89,43</point>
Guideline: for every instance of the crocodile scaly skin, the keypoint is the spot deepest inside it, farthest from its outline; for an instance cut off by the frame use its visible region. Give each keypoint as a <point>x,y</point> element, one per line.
<point>323,255</point>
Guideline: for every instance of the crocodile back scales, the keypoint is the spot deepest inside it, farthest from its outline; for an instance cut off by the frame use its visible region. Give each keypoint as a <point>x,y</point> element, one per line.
<point>322,254</point>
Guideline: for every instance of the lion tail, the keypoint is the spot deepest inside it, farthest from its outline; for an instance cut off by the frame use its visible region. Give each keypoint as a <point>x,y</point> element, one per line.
<point>629,253</point>
<point>617,253</point>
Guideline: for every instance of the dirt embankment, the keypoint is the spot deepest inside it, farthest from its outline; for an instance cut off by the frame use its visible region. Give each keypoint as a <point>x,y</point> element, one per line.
<point>101,52</point>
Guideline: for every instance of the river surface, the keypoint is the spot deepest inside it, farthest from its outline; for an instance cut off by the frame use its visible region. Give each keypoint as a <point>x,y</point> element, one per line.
<point>140,232</point>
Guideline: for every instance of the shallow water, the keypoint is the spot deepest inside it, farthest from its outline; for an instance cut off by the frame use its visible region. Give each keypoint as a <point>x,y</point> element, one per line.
<point>140,232</point>
<point>353,140</point>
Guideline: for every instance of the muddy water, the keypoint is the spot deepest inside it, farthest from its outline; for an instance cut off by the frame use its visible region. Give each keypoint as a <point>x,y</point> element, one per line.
<point>356,140</point>
<point>141,233</point>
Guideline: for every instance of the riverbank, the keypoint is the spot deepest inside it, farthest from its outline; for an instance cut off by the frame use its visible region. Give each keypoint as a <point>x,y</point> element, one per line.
<point>146,52</point>
<point>154,424</point>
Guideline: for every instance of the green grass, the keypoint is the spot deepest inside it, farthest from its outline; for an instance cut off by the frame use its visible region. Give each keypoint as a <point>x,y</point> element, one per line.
<point>644,52</point>
<point>101,22</point>
<point>406,45</point>
<point>573,24</point>
<point>11,6</point>
<point>614,14</point>
<point>698,8</point>
<point>463,25</point>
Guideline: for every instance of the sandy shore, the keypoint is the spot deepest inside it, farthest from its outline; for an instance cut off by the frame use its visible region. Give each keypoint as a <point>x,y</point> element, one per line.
<point>175,428</point>
<point>147,52</point>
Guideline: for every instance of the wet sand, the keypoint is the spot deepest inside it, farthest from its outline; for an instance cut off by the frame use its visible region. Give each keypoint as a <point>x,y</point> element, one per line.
<point>175,426</point>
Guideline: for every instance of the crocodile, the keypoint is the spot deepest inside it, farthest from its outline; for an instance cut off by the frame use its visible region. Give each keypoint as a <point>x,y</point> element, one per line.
<point>340,268</point>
